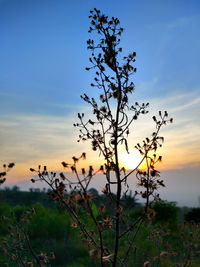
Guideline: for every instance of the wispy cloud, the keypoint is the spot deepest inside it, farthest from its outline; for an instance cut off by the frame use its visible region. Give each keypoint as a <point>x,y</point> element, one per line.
<point>182,144</point>
<point>29,140</point>
<point>34,136</point>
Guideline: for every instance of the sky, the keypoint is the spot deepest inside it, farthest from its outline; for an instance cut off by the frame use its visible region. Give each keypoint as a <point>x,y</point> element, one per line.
<point>43,57</point>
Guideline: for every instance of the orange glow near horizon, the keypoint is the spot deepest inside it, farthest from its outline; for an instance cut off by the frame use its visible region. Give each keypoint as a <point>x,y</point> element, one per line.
<point>172,159</point>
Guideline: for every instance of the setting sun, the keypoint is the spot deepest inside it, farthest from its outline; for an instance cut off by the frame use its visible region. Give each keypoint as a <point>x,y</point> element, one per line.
<point>130,160</point>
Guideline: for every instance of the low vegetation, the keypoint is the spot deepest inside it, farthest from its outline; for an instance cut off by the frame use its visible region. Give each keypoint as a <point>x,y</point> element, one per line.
<point>166,240</point>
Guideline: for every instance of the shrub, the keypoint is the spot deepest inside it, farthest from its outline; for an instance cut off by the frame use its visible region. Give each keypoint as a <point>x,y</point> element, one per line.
<point>193,215</point>
<point>166,212</point>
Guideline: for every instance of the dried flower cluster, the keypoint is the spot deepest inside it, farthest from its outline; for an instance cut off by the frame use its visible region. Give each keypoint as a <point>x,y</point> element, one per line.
<point>3,173</point>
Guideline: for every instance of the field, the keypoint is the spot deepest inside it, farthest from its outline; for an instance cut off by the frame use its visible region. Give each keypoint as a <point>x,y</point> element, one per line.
<point>165,240</point>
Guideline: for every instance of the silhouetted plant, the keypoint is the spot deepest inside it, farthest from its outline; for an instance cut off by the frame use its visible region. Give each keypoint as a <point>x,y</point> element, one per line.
<point>107,130</point>
<point>4,172</point>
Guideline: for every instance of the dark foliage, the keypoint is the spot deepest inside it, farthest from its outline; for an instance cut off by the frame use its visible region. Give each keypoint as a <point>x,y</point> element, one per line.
<point>193,215</point>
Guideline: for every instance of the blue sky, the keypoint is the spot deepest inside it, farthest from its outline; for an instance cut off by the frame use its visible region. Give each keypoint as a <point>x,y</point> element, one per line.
<point>43,57</point>
<point>43,51</point>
